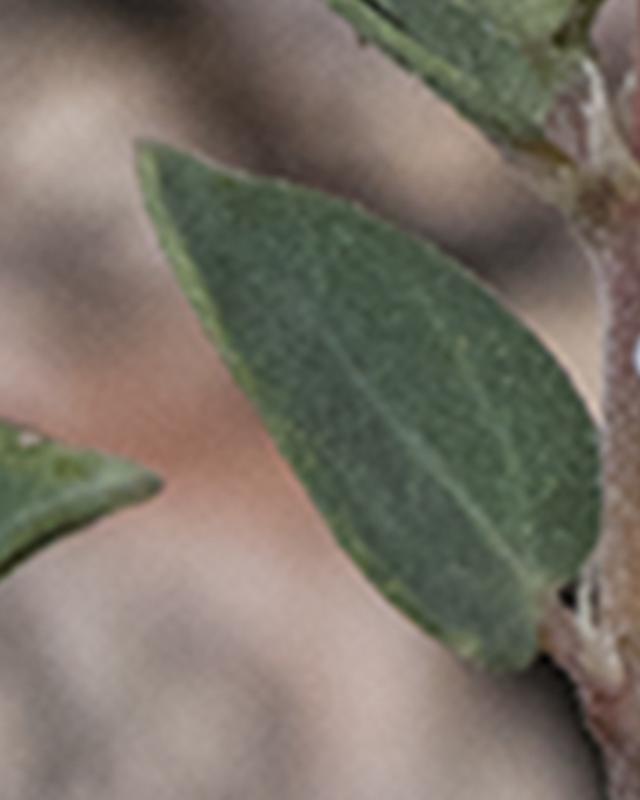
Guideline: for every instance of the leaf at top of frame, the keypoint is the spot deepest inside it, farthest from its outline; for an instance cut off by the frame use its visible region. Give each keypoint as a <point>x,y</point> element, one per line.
<point>444,446</point>
<point>537,20</point>
<point>501,63</point>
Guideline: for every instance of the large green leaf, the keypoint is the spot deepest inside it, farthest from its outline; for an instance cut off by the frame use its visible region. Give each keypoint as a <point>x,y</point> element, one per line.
<point>445,448</point>
<point>500,62</point>
<point>48,490</point>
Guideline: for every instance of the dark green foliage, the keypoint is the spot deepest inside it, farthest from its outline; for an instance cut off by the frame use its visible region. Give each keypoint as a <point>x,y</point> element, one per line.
<point>444,446</point>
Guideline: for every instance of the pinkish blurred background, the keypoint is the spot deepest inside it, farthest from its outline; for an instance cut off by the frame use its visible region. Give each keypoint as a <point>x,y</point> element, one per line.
<point>215,644</point>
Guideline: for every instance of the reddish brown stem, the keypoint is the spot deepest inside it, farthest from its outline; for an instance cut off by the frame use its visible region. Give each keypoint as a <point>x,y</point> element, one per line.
<point>599,646</point>
<point>613,705</point>
<point>616,258</point>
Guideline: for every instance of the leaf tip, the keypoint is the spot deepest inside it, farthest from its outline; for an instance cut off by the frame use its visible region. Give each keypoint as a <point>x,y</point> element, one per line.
<point>50,490</point>
<point>127,482</point>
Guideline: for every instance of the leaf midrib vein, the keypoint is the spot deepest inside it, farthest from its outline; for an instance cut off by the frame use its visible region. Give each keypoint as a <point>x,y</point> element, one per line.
<point>430,460</point>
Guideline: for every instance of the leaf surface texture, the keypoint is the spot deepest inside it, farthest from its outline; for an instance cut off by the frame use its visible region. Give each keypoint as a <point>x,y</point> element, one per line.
<point>444,446</point>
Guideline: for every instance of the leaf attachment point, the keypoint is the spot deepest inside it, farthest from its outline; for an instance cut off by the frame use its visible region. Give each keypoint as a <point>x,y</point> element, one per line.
<point>501,63</point>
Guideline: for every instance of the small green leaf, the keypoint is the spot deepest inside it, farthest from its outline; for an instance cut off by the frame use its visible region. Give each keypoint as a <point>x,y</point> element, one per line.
<point>444,446</point>
<point>501,63</point>
<point>48,490</point>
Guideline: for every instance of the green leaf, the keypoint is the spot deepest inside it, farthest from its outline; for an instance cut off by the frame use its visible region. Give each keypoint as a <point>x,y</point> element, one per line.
<point>501,63</point>
<point>444,446</point>
<point>48,490</point>
<point>537,20</point>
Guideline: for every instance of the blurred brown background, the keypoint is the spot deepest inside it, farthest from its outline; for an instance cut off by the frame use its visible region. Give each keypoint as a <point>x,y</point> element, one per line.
<point>214,644</point>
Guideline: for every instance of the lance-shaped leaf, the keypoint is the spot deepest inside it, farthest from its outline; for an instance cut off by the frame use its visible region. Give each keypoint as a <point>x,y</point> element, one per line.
<point>48,490</point>
<point>501,63</point>
<point>444,446</point>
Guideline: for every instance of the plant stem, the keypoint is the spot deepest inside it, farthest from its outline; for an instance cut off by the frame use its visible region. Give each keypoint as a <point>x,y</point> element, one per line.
<point>612,706</point>
<point>599,645</point>
<point>611,695</point>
